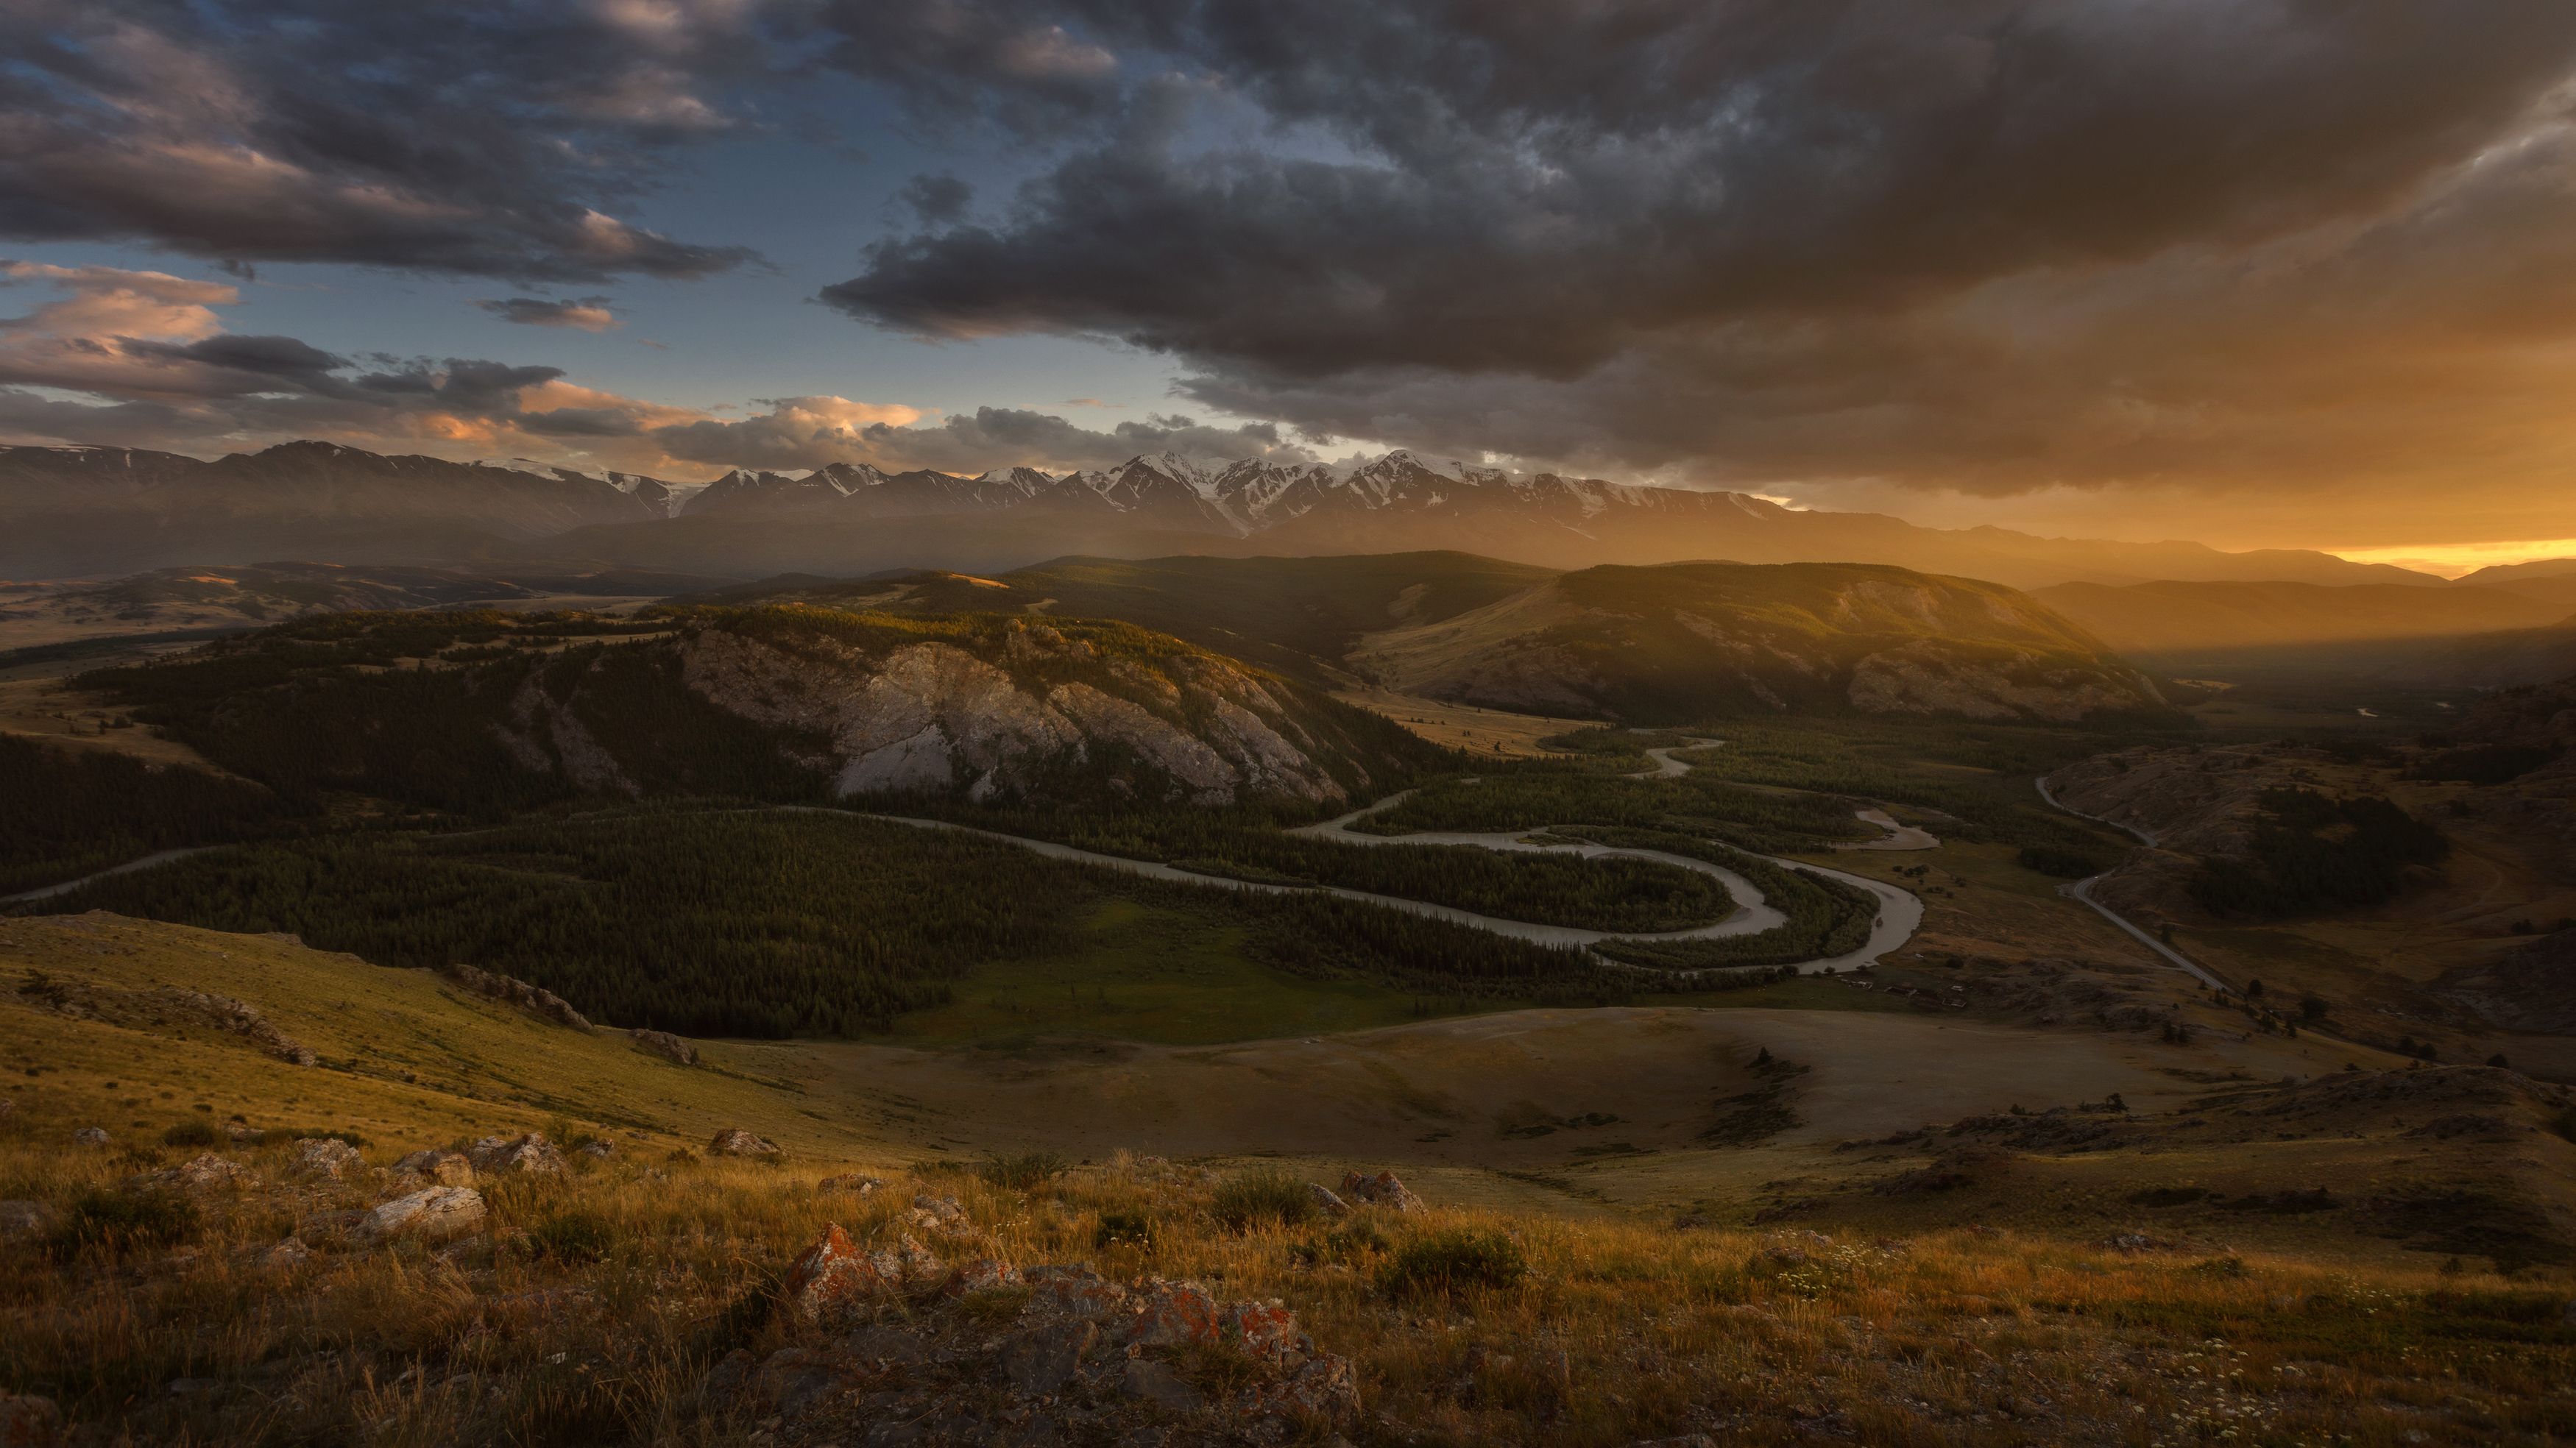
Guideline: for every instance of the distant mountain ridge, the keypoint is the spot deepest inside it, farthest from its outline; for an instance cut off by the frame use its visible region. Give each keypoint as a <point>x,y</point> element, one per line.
<point>83,511</point>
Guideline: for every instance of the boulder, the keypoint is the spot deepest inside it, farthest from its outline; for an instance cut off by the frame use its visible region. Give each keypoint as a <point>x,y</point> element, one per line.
<point>1327,1201</point>
<point>28,1421</point>
<point>528,1153</point>
<point>432,1214</point>
<point>936,1214</point>
<point>1042,1359</point>
<point>442,1168</point>
<point>284,1256</point>
<point>207,1173</point>
<point>1149,1381</point>
<point>23,1219</point>
<point>1381,1190</point>
<point>1073,1291</point>
<point>90,1136</point>
<point>833,1279</point>
<point>669,1047</point>
<point>598,1149</point>
<point>1171,1314</point>
<point>324,1158</point>
<point>984,1274</point>
<point>734,1141</point>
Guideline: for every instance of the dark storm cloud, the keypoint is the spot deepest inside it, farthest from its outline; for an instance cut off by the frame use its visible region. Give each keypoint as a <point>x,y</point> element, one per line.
<point>1988,245</point>
<point>937,200</point>
<point>440,136</point>
<point>1530,189</point>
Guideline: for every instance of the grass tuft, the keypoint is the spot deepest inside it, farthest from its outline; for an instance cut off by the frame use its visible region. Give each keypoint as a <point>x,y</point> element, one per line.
<point>1449,1263</point>
<point>1263,1195</point>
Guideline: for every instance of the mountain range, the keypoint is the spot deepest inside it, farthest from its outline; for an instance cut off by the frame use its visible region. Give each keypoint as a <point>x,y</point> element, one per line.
<point>90,511</point>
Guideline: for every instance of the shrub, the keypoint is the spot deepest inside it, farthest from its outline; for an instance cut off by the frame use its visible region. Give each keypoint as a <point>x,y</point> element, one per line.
<point>1023,1172</point>
<point>119,1222</point>
<point>572,1236</point>
<point>1264,1194</point>
<point>2063,863</point>
<point>192,1133</point>
<point>1116,1227</point>
<point>1451,1262</point>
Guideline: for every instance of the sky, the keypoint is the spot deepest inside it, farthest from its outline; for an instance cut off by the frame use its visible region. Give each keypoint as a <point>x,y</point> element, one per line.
<point>2263,273</point>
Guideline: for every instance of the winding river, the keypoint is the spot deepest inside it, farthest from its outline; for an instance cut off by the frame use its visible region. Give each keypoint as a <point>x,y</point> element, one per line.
<point>1900,912</point>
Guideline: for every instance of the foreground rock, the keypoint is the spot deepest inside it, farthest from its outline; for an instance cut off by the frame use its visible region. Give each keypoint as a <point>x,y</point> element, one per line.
<point>27,1421</point>
<point>494,1155</point>
<point>432,1214</point>
<point>896,1336</point>
<point>734,1141</point>
<point>435,1167</point>
<point>206,1173</point>
<point>325,1158</point>
<point>1381,1190</point>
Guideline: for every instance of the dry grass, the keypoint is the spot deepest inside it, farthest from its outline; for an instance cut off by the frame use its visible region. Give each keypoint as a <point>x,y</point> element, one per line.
<point>1617,1330</point>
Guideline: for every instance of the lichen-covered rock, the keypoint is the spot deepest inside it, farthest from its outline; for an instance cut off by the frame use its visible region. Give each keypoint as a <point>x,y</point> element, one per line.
<point>530,1153</point>
<point>90,1136</point>
<point>432,1214</point>
<point>1381,1190</point>
<point>1327,1201</point>
<point>834,1279</point>
<point>734,1141</point>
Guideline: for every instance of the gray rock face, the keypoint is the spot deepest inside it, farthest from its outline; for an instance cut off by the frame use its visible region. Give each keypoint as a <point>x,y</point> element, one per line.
<point>935,717</point>
<point>90,1136</point>
<point>432,1214</point>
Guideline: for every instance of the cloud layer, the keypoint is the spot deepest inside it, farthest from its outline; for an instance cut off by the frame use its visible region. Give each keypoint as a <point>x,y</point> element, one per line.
<point>2260,254</point>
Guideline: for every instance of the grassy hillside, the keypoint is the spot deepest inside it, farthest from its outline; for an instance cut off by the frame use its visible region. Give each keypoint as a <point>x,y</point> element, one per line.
<point>823,924</point>
<point>2042,1276</point>
<point>483,714</point>
<point>1297,615</point>
<point>1687,642</point>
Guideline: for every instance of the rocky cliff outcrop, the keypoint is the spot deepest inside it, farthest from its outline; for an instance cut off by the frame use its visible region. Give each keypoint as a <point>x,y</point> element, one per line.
<point>1009,709</point>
